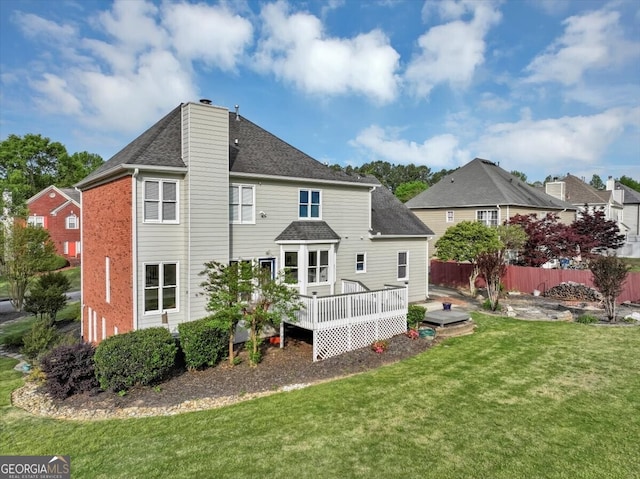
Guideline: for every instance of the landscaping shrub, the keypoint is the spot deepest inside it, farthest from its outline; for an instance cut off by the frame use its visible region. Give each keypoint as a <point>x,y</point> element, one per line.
<point>69,369</point>
<point>58,262</point>
<point>47,295</point>
<point>415,315</point>
<point>586,319</point>
<point>203,342</point>
<point>41,338</point>
<point>139,357</point>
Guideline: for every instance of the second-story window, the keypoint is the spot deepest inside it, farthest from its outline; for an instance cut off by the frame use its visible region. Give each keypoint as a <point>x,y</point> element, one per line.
<point>72,222</point>
<point>241,204</point>
<point>449,216</point>
<point>488,217</point>
<point>160,201</point>
<point>309,204</point>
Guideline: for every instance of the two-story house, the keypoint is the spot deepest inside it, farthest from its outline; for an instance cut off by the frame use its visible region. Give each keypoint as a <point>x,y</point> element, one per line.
<point>630,201</point>
<point>482,191</point>
<point>58,211</point>
<point>206,184</point>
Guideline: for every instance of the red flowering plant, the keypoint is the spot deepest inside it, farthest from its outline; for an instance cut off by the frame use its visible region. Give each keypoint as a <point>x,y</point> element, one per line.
<point>413,334</point>
<point>380,346</point>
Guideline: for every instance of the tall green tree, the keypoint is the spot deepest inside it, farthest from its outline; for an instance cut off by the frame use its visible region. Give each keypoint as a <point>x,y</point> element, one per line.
<point>630,182</point>
<point>597,182</point>
<point>520,175</point>
<point>31,163</point>
<point>24,251</point>
<point>464,242</point>
<point>405,191</point>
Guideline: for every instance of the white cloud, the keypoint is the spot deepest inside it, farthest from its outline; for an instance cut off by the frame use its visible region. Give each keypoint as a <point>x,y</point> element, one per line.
<point>210,34</point>
<point>295,48</point>
<point>133,24</point>
<point>543,145</point>
<point>438,151</point>
<point>34,26</point>
<point>593,41</point>
<point>57,98</point>
<point>451,52</point>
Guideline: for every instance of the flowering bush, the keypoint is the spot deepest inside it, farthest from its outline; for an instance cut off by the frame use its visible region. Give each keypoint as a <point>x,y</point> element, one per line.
<point>380,346</point>
<point>413,334</point>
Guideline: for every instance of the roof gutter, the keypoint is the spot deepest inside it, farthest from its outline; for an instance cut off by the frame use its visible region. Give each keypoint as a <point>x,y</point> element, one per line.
<point>299,179</point>
<point>122,170</point>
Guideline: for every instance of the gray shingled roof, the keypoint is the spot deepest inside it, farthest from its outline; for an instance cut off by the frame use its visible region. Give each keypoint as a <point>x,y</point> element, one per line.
<point>257,152</point>
<point>631,196</point>
<point>308,231</point>
<point>72,193</point>
<point>578,192</point>
<point>390,217</point>
<point>484,183</point>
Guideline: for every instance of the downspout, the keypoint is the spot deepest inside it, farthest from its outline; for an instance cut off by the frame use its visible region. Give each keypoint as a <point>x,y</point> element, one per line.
<point>134,249</point>
<point>371,190</point>
<point>499,214</point>
<point>82,275</point>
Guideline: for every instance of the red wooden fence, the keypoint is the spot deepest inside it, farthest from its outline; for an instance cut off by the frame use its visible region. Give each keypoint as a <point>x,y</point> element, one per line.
<point>526,279</point>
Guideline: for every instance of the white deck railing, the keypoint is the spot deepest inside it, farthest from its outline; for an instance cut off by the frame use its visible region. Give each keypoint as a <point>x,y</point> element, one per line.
<point>350,321</point>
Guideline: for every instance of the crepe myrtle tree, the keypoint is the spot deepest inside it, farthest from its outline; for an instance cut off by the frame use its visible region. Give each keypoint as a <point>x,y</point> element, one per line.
<point>491,265</point>
<point>609,275</point>
<point>245,291</point>
<point>464,242</point>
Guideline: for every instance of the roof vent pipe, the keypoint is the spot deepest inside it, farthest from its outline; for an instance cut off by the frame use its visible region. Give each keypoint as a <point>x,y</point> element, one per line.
<point>205,101</point>
<point>237,113</point>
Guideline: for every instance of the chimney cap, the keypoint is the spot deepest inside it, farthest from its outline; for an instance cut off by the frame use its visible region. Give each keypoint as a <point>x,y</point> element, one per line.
<point>205,101</point>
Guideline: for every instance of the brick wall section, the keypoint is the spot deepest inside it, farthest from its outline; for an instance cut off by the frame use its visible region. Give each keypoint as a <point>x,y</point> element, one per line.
<point>107,231</point>
<point>56,225</point>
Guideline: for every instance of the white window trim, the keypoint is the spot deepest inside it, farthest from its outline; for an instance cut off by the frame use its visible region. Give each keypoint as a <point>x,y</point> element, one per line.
<point>67,222</point>
<point>317,268</point>
<point>406,277</point>
<point>35,220</point>
<point>484,221</point>
<point>160,182</point>
<point>364,263</point>
<point>160,286</point>
<point>65,247</point>
<point>241,221</point>
<point>309,217</point>
<point>452,220</point>
<point>107,277</point>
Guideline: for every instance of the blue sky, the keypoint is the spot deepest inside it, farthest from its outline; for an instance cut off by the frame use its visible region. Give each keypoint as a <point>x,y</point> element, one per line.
<point>546,87</point>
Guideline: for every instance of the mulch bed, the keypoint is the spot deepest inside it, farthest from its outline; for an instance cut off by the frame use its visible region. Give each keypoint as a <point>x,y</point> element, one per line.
<point>290,366</point>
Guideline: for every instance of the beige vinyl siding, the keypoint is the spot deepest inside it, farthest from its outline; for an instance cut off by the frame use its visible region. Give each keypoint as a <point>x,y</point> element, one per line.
<point>205,147</point>
<point>160,242</point>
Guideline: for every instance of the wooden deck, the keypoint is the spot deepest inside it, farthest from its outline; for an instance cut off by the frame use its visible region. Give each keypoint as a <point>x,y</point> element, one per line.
<point>443,317</point>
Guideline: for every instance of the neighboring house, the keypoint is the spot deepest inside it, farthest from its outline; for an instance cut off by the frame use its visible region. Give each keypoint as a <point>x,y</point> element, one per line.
<point>482,191</point>
<point>630,200</point>
<point>579,193</point>
<point>205,184</point>
<point>58,211</point>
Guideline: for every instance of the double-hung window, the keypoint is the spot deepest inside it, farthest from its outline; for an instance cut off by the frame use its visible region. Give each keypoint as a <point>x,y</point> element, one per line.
<point>291,267</point>
<point>488,217</point>
<point>72,222</point>
<point>160,287</point>
<point>242,204</point>
<point>318,267</point>
<point>449,216</point>
<point>309,204</point>
<point>36,221</point>
<point>361,263</point>
<point>403,265</point>
<point>161,201</point>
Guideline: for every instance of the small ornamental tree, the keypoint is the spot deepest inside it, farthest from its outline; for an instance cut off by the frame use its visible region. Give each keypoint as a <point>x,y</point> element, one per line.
<point>492,267</point>
<point>513,238</point>
<point>609,275</point>
<point>24,251</point>
<point>228,287</point>
<point>464,242</point>
<point>47,295</point>
<point>594,234</point>
<point>546,239</point>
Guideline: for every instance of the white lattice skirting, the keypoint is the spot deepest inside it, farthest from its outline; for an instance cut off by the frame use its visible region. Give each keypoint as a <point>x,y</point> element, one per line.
<point>337,340</point>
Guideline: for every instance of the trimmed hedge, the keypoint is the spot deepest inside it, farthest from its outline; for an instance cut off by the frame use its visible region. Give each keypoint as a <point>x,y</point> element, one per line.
<point>203,342</point>
<point>69,370</point>
<point>140,357</point>
<point>415,315</point>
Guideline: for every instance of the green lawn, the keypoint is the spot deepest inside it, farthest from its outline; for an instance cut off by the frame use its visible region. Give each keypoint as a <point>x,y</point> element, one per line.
<point>72,273</point>
<point>517,399</point>
<point>634,263</point>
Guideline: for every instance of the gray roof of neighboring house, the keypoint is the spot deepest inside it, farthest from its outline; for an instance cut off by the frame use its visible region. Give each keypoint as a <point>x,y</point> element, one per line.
<point>578,192</point>
<point>631,196</point>
<point>72,193</point>
<point>390,217</point>
<point>483,183</point>
<point>311,230</point>
<point>257,152</point>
